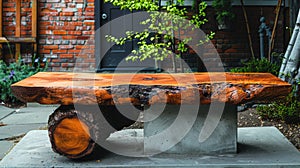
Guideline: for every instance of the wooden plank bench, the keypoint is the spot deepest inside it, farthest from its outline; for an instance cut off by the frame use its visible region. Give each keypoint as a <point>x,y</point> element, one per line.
<point>94,105</point>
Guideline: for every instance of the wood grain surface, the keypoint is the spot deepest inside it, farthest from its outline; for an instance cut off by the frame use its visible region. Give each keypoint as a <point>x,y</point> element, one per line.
<point>145,88</point>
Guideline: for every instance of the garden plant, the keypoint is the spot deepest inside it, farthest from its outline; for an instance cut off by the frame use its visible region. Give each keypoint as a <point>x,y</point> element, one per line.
<point>14,72</point>
<point>158,41</point>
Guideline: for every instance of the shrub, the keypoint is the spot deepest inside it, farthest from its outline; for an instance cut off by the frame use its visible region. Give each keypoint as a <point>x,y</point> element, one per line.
<point>287,110</point>
<point>259,65</point>
<point>14,72</point>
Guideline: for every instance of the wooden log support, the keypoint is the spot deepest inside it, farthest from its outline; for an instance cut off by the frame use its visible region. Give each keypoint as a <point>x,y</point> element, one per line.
<point>69,135</point>
<point>75,131</point>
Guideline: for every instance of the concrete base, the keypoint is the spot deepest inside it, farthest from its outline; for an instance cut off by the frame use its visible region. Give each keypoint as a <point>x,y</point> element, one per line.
<point>257,147</point>
<point>180,129</point>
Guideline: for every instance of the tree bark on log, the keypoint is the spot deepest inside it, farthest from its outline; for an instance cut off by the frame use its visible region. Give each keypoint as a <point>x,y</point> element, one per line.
<point>77,131</point>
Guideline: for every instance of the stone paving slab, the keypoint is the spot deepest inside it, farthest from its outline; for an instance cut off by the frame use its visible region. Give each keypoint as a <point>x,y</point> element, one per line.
<point>5,147</point>
<point>4,111</point>
<point>258,147</point>
<point>29,115</point>
<point>9,131</point>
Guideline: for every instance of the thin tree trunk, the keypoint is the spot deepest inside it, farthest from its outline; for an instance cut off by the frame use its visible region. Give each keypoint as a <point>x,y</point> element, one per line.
<point>292,64</point>
<point>248,29</point>
<point>285,66</point>
<point>274,29</point>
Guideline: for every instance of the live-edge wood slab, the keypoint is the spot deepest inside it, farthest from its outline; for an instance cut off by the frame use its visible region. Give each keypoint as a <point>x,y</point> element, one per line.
<point>144,88</point>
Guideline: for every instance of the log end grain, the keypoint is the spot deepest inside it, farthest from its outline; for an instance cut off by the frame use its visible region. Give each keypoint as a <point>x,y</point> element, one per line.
<point>71,136</point>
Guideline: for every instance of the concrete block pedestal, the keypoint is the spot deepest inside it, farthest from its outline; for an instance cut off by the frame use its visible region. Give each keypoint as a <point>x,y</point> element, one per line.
<point>191,129</point>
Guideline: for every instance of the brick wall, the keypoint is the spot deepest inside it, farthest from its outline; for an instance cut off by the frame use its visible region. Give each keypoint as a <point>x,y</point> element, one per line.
<point>233,45</point>
<point>65,27</point>
<point>66,33</point>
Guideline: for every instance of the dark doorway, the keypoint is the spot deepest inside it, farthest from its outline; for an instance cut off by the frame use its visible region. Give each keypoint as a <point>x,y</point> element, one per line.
<point>110,20</point>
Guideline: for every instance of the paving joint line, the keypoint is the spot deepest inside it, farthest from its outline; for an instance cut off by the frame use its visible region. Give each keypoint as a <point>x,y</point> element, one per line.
<point>8,114</point>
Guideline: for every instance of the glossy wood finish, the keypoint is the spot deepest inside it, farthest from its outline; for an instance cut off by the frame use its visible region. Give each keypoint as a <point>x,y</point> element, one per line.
<point>109,89</point>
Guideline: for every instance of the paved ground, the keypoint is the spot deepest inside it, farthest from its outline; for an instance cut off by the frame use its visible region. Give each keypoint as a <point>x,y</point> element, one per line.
<point>16,122</point>
<point>259,147</point>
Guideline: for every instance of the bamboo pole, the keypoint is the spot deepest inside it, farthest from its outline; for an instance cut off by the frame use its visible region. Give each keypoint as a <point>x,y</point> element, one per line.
<point>292,60</point>
<point>271,46</point>
<point>248,29</point>
<point>288,53</point>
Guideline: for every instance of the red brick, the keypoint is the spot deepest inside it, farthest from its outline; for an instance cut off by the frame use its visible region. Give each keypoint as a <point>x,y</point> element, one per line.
<point>50,47</point>
<point>66,46</point>
<point>90,9</point>
<point>69,37</point>
<point>9,9</point>
<point>10,28</point>
<point>23,33</point>
<point>52,64</point>
<point>89,18</point>
<point>67,27</point>
<point>87,32</point>
<point>89,23</point>
<point>74,51</point>
<point>67,65</point>
<point>42,51</point>
<point>89,14</point>
<point>56,60</point>
<point>79,47</point>
<point>74,23</point>
<point>59,32</point>
<point>49,13</point>
<point>46,32</point>
<point>7,4</point>
<point>59,51</point>
<point>66,55</point>
<point>74,32</point>
<point>66,14</point>
<point>26,9</point>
